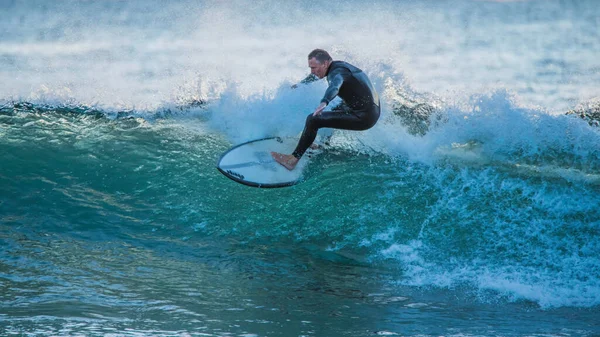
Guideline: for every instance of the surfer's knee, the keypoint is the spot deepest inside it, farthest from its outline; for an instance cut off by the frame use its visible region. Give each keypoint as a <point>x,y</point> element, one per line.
<point>311,122</point>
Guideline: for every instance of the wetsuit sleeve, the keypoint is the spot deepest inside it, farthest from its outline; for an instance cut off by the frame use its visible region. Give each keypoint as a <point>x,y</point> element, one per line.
<point>309,79</point>
<point>335,83</point>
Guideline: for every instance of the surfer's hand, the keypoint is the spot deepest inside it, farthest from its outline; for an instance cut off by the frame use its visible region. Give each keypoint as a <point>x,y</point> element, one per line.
<point>319,109</point>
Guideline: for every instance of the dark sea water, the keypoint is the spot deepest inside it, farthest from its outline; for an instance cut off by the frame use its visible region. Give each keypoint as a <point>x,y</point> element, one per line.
<point>115,222</point>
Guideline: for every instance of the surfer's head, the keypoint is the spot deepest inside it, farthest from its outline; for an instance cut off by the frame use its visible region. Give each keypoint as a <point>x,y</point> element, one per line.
<point>318,62</point>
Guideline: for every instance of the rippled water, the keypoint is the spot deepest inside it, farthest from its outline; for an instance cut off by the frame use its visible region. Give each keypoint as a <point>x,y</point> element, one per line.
<point>115,222</point>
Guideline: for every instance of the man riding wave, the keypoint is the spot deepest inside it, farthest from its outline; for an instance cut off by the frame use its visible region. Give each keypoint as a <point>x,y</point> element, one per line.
<point>349,83</point>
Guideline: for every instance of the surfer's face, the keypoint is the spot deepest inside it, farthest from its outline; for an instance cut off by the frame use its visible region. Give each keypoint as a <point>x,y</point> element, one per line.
<point>317,68</point>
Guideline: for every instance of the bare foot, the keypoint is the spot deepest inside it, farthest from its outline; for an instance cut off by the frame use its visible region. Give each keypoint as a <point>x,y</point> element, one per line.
<point>287,160</point>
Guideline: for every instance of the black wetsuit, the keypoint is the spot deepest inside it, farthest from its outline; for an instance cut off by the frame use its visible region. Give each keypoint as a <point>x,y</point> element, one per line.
<point>357,92</point>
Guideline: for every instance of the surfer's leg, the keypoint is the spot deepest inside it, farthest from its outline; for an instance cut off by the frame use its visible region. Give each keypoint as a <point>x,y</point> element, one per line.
<point>358,121</point>
<point>326,137</point>
<point>353,120</point>
<point>312,125</point>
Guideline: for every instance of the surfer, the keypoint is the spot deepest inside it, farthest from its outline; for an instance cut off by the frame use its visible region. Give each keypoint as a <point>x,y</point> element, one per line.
<point>349,83</point>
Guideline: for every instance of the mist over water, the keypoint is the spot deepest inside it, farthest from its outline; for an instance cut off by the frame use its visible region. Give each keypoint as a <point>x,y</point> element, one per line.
<point>134,54</point>
<point>479,219</point>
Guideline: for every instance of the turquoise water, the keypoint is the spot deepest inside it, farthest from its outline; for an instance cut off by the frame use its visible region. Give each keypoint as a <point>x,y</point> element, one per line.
<point>115,222</point>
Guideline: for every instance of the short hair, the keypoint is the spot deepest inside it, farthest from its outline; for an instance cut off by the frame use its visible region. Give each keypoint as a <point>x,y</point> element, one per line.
<point>320,55</point>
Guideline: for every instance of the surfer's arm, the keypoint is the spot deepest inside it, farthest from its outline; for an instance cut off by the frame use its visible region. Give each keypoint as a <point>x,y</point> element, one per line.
<point>335,83</point>
<point>309,79</point>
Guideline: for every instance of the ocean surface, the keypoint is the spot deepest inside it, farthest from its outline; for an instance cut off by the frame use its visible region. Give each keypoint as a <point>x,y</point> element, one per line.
<point>115,222</point>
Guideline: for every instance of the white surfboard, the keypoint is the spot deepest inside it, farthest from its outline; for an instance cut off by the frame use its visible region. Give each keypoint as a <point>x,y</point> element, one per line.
<point>251,163</point>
